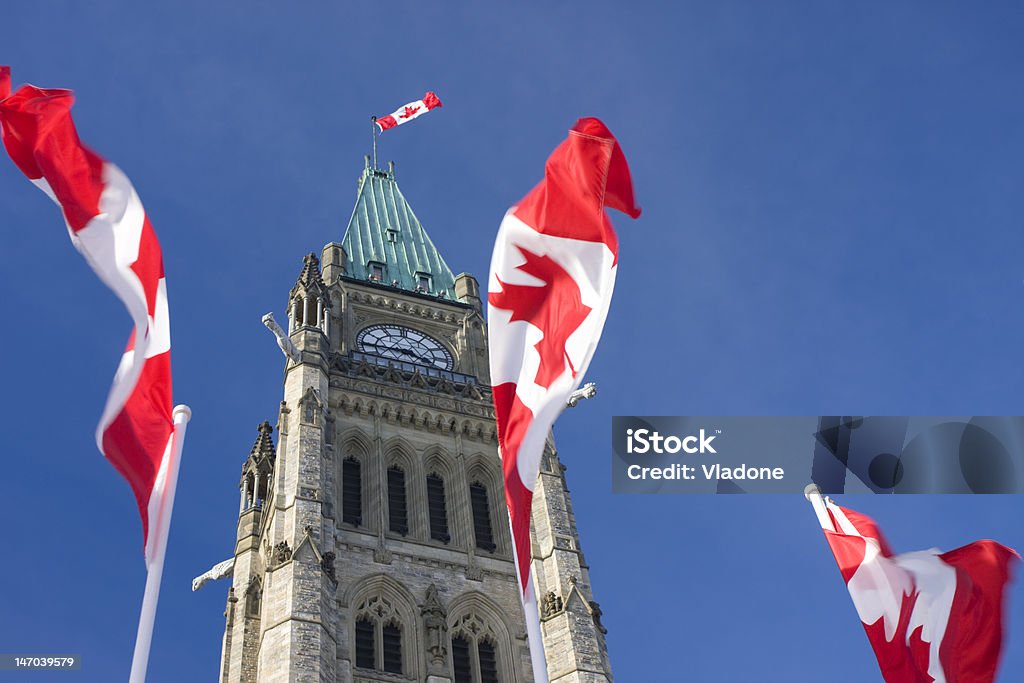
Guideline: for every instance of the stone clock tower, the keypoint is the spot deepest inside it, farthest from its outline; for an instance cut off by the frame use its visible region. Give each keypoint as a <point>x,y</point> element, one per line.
<point>372,540</point>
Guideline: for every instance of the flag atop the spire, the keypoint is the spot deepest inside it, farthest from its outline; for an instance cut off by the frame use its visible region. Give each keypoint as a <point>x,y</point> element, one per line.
<point>409,112</point>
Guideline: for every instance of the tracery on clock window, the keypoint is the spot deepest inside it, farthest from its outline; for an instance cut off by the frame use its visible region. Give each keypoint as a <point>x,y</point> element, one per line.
<point>405,345</point>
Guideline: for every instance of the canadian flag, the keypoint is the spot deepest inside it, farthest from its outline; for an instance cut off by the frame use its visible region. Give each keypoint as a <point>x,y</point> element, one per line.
<point>552,274</point>
<point>108,225</point>
<point>930,616</point>
<point>139,432</point>
<point>409,112</point>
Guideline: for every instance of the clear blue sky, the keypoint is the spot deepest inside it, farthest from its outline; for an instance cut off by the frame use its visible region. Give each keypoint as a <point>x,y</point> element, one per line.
<point>832,196</point>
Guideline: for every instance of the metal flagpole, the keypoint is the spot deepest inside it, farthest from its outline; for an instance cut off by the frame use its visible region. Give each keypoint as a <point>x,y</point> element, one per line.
<point>155,568</point>
<point>373,132</point>
<point>813,494</point>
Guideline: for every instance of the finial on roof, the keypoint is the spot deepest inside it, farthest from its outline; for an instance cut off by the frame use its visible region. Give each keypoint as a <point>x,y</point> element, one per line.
<point>264,445</point>
<point>310,274</point>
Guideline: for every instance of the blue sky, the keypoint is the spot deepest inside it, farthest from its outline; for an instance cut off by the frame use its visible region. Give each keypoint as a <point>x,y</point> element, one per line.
<point>832,224</point>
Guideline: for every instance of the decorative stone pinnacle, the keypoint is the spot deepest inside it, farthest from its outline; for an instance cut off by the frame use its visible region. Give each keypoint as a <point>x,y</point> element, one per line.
<point>264,445</point>
<point>310,274</point>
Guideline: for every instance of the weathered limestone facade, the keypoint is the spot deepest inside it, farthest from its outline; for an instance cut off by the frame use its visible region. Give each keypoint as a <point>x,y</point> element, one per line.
<point>372,540</point>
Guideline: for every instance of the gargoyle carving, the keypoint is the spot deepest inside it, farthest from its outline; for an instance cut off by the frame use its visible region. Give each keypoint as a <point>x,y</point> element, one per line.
<point>286,345</point>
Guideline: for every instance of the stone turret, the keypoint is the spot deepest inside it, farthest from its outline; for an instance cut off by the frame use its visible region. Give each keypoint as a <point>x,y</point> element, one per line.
<point>241,637</point>
<point>309,305</point>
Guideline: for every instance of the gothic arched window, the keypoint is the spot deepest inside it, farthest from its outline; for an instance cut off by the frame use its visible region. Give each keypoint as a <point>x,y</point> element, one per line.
<point>365,655</point>
<point>437,510</point>
<point>391,639</point>
<point>311,313</point>
<point>253,597</point>
<point>488,661</point>
<point>461,662</point>
<point>474,654</point>
<point>352,492</point>
<point>398,515</point>
<point>481,507</point>
<point>379,637</point>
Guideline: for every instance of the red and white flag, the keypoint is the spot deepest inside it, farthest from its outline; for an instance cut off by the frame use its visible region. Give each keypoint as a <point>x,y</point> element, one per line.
<point>409,112</point>
<point>551,280</point>
<point>139,432</point>
<point>930,616</point>
<point>108,225</point>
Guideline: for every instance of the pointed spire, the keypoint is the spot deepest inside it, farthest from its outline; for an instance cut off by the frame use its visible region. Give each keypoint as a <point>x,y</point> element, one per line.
<point>310,281</point>
<point>263,448</point>
<point>386,243</point>
<point>309,277</point>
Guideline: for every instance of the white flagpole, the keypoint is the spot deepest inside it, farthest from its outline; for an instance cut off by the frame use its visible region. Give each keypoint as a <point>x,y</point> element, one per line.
<point>531,614</point>
<point>813,494</point>
<point>534,636</point>
<point>140,660</point>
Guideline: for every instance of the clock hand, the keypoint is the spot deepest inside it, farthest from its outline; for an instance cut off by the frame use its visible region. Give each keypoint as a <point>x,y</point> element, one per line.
<point>383,349</point>
<point>406,352</point>
<point>395,349</point>
<point>416,355</point>
<point>423,360</point>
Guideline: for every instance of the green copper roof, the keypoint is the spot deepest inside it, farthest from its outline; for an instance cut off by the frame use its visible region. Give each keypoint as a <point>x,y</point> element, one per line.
<point>383,230</point>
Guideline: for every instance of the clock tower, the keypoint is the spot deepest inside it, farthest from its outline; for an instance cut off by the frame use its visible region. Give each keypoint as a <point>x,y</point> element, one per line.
<point>372,539</point>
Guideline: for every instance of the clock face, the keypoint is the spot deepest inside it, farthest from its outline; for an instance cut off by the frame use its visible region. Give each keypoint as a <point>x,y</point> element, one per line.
<point>404,344</point>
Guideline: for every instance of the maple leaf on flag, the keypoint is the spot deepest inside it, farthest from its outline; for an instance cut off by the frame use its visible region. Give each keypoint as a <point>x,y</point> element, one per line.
<point>555,308</point>
<point>408,112</point>
<point>563,217</point>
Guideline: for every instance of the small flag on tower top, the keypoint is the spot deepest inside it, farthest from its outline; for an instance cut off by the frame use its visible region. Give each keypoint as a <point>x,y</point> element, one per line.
<point>409,112</point>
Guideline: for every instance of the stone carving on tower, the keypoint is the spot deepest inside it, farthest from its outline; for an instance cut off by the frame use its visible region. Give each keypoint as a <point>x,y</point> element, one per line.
<point>435,625</point>
<point>372,541</point>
